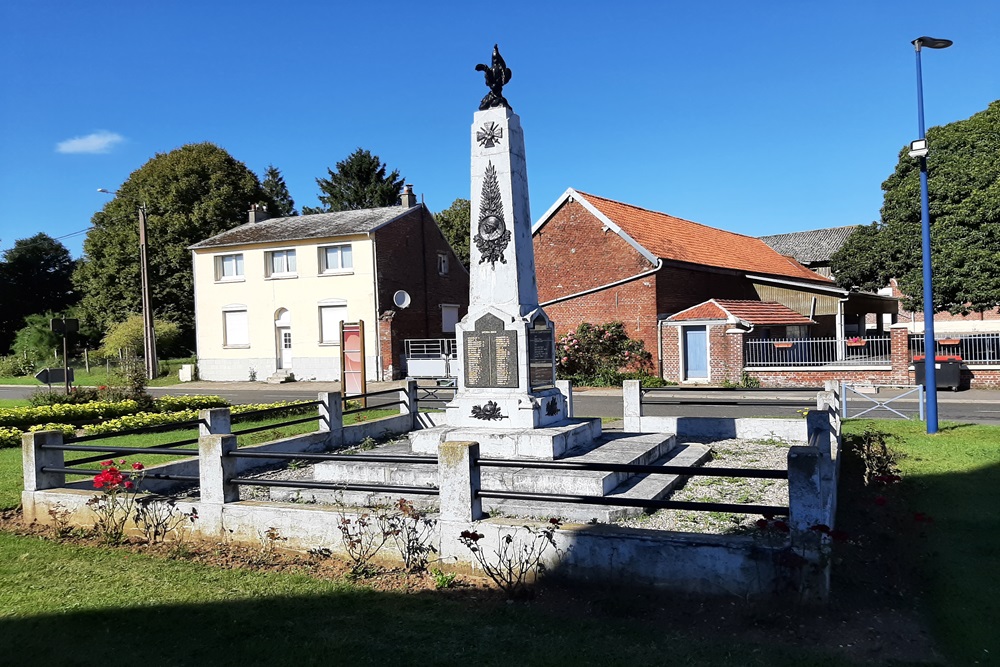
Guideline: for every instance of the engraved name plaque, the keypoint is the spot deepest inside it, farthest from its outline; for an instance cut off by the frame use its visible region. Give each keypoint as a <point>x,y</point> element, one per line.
<point>541,354</point>
<point>490,355</point>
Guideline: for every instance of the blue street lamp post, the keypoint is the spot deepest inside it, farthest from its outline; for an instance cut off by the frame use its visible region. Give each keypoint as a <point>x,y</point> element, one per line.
<point>919,150</point>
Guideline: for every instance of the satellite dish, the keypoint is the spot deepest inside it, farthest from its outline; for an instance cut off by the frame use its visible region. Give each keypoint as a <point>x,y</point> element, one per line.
<point>401,299</point>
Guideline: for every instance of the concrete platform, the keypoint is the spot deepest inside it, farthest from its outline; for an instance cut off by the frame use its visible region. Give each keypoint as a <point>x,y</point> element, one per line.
<point>627,448</point>
<point>550,442</point>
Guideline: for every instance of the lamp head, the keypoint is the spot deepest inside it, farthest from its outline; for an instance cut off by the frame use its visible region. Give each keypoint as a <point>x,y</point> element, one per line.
<point>931,43</point>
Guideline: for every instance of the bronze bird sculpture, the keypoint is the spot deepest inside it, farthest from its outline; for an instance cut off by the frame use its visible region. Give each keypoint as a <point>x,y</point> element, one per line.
<point>497,75</point>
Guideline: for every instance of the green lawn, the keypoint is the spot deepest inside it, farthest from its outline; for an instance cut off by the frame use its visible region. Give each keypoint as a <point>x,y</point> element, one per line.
<point>213,615</point>
<point>98,375</point>
<point>952,477</point>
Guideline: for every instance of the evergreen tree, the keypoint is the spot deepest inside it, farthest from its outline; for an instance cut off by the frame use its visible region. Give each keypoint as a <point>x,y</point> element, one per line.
<point>36,276</point>
<point>360,181</point>
<point>274,185</point>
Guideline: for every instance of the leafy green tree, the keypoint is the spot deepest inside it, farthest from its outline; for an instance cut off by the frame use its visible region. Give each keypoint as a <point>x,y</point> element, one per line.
<point>190,194</point>
<point>36,340</point>
<point>360,181</point>
<point>964,195</point>
<point>454,222</point>
<point>36,275</point>
<point>127,335</point>
<point>274,185</point>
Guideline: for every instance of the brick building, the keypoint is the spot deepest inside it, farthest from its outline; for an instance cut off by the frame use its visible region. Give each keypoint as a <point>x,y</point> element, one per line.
<point>270,295</point>
<point>600,260</point>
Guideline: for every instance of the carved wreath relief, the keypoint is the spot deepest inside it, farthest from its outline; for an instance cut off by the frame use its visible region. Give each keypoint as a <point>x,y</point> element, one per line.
<point>493,236</point>
<point>488,412</point>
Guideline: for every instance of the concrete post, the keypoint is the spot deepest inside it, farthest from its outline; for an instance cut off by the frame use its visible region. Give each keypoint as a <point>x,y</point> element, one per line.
<point>34,458</point>
<point>806,508</point>
<point>214,469</point>
<point>331,418</point>
<point>459,481</point>
<point>408,394</point>
<point>632,406</point>
<point>214,421</point>
<point>565,388</point>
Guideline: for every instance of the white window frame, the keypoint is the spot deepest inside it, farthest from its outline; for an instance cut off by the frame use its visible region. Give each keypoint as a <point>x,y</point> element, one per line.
<point>328,338</point>
<point>232,310</point>
<point>326,270</point>
<point>220,264</point>
<point>288,272</point>
<point>442,263</point>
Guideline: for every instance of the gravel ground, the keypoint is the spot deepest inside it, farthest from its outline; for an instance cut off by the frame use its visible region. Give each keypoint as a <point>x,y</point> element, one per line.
<point>725,454</point>
<point>733,453</point>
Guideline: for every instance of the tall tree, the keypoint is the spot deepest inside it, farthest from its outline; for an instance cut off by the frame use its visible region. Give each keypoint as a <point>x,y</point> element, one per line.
<point>454,224</point>
<point>360,181</point>
<point>274,185</point>
<point>964,193</point>
<point>36,277</point>
<point>190,194</point>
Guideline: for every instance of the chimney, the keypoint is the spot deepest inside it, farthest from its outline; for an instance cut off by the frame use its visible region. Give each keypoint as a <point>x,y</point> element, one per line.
<point>258,213</point>
<point>407,199</point>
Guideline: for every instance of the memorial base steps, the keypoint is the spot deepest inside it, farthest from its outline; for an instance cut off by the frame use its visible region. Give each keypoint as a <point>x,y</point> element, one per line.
<point>640,449</point>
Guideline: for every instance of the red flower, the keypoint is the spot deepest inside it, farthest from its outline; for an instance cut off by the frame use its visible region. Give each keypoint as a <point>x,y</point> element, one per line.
<point>821,528</point>
<point>880,501</point>
<point>137,466</point>
<point>107,463</point>
<point>121,462</point>
<point>129,485</point>
<point>555,521</point>
<point>762,524</point>
<point>781,526</point>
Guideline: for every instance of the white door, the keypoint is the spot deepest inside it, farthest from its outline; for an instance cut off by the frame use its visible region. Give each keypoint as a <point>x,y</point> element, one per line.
<point>283,338</point>
<point>284,347</point>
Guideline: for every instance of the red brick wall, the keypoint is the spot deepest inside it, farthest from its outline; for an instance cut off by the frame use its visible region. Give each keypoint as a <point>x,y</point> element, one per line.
<point>406,252</point>
<point>573,254</point>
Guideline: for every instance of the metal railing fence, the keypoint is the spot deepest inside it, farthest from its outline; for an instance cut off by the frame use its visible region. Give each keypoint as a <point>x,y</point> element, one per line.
<point>973,348</point>
<point>868,351</point>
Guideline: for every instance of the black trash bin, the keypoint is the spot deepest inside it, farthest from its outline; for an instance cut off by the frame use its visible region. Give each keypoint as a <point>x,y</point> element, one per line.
<point>947,369</point>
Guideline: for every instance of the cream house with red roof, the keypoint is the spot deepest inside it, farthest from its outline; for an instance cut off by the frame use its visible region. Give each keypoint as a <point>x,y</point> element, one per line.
<point>600,260</point>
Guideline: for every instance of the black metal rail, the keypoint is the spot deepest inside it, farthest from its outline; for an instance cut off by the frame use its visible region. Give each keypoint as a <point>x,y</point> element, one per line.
<point>269,427</point>
<point>115,452</point>
<point>756,473</point>
<point>123,450</point>
<point>636,502</point>
<point>380,406</point>
<point>280,408</point>
<point>159,428</point>
<point>336,486</point>
<point>302,456</point>
<point>383,392</point>
<point>126,473</point>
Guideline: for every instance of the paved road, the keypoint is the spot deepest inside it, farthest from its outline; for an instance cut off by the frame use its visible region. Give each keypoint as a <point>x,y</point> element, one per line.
<point>980,406</point>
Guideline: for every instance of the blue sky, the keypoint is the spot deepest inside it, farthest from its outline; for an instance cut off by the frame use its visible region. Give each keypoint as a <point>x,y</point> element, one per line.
<point>756,117</point>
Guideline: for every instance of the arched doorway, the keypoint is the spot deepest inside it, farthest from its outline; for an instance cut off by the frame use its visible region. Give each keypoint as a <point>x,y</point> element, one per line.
<point>283,338</point>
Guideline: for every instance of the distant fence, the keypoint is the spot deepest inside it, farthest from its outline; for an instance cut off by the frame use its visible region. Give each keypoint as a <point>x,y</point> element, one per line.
<point>972,348</point>
<point>817,352</point>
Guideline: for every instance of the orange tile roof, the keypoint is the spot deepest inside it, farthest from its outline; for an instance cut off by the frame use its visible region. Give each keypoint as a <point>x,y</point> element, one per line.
<point>760,313</point>
<point>681,240</point>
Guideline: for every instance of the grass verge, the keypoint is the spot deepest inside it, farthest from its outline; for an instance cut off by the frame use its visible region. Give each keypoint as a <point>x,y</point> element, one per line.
<point>943,523</point>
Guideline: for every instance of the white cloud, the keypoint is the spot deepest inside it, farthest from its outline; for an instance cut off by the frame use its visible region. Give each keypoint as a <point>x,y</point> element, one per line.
<point>96,142</point>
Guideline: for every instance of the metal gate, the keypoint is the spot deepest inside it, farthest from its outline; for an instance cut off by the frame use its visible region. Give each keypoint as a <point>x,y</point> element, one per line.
<point>861,399</point>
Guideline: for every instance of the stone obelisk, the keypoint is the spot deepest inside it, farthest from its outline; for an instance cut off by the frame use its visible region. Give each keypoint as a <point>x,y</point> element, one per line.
<point>506,342</point>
